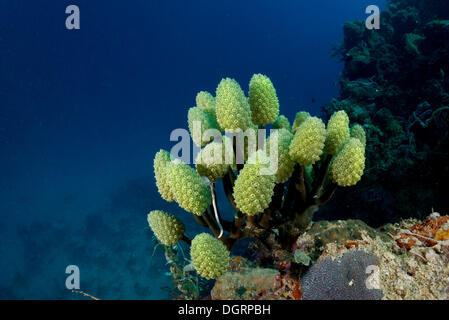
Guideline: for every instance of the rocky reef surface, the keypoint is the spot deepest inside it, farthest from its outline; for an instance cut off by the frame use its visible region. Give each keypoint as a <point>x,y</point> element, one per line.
<point>348,260</point>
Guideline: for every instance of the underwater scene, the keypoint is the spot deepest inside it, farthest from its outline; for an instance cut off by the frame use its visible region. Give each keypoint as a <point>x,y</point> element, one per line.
<point>224,150</point>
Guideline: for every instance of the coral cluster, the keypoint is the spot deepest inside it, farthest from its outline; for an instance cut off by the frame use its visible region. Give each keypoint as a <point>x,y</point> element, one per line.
<point>232,107</point>
<point>210,257</point>
<point>252,190</point>
<point>161,161</point>
<point>337,132</point>
<point>204,122</point>
<point>282,123</point>
<point>263,100</point>
<point>274,184</point>
<point>189,190</point>
<point>389,125</point>
<point>206,102</point>
<point>358,132</point>
<point>299,119</point>
<point>308,143</point>
<point>167,228</point>
<point>213,161</point>
<point>286,165</point>
<point>347,167</point>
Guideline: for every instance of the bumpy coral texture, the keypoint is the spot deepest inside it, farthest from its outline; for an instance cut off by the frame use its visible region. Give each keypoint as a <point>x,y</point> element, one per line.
<point>348,164</point>
<point>195,114</point>
<point>189,189</point>
<point>253,190</point>
<point>337,132</point>
<point>282,123</point>
<point>299,119</point>
<point>209,256</point>
<point>161,160</point>
<point>308,143</point>
<point>215,160</point>
<point>206,102</point>
<point>167,228</point>
<point>286,165</point>
<point>344,278</point>
<point>246,143</point>
<point>233,110</point>
<point>263,100</point>
<point>358,132</point>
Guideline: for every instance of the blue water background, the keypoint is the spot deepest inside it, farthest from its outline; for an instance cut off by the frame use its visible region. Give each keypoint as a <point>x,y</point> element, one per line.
<point>83,112</point>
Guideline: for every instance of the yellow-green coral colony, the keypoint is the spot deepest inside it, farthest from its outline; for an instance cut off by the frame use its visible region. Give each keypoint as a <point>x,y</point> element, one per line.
<point>206,102</point>
<point>233,110</point>
<point>210,257</point>
<point>337,132</point>
<point>252,190</point>
<point>263,100</point>
<point>282,123</point>
<point>214,160</point>
<point>332,156</point>
<point>204,122</point>
<point>166,227</point>
<point>189,189</point>
<point>308,143</point>
<point>250,142</point>
<point>161,161</point>
<point>299,119</point>
<point>286,165</point>
<point>348,164</point>
<point>358,132</point>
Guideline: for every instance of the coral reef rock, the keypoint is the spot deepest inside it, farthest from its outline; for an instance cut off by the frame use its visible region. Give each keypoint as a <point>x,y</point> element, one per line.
<point>343,278</point>
<point>419,271</point>
<point>395,84</point>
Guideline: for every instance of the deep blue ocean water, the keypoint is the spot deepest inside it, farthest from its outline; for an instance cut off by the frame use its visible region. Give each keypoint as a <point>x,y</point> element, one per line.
<point>82,113</point>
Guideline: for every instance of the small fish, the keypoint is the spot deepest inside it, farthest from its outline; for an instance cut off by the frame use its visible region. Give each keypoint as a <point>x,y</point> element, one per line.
<point>313,100</point>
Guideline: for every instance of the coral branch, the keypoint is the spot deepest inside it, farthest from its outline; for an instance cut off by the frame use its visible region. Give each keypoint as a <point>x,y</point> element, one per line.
<point>300,185</point>
<point>228,185</point>
<point>327,195</point>
<point>211,224</point>
<point>289,198</point>
<point>186,240</point>
<point>265,219</point>
<point>200,220</point>
<point>275,204</point>
<point>214,207</point>
<point>321,175</point>
<point>236,228</point>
